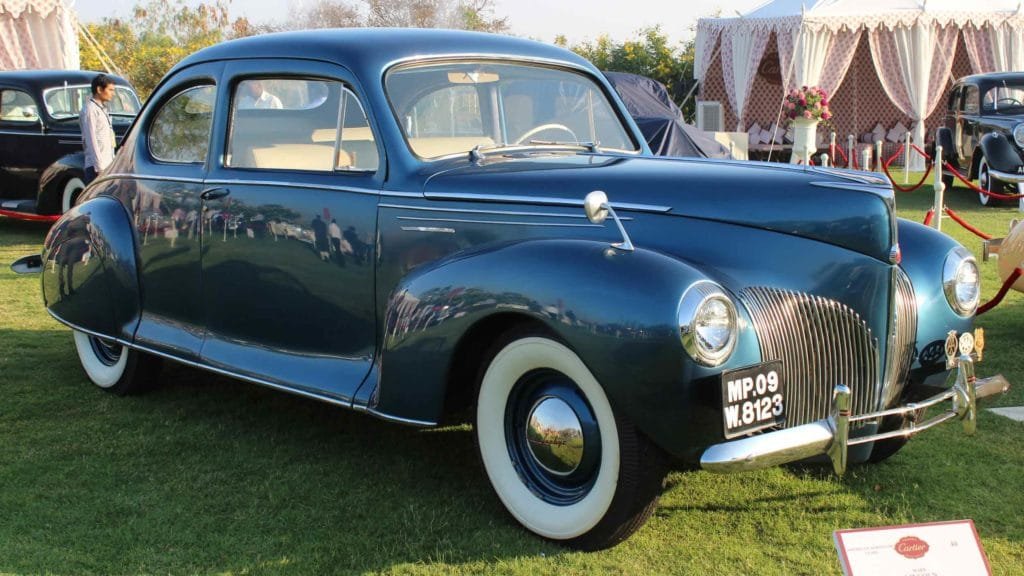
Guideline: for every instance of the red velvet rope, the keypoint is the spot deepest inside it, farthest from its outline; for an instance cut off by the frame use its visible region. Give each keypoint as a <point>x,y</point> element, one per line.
<point>1002,292</point>
<point>885,168</point>
<point>964,223</point>
<point>29,217</point>
<point>928,217</point>
<point>978,189</point>
<point>846,158</point>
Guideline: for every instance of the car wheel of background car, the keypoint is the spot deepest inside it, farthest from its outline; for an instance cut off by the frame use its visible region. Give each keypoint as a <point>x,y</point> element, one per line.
<point>113,367</point>
<point>987,182</point>
<point>562,461</point>
<point>72,188</point>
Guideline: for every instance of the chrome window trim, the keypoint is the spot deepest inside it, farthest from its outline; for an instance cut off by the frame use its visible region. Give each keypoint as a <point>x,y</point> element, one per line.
<point>129,89</point>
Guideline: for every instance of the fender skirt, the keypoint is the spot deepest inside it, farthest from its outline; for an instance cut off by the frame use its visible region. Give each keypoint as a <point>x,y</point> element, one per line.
<point>90,279</point>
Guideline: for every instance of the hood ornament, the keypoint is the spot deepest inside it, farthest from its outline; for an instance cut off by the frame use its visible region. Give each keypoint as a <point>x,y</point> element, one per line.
<point>597,208</point>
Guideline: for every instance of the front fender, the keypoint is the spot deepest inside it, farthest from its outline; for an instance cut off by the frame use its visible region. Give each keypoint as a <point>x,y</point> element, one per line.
<point>90,279</point>
<point>924,250</point>
<point>616,310</point>
<point>1000,153</point>
<point>51,183</point>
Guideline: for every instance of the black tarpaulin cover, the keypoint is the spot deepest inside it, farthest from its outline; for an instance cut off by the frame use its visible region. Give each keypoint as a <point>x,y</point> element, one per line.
<point>660,120</point>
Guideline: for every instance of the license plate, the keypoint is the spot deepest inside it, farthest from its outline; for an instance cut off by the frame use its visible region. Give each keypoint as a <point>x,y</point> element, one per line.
<point>753,398</point>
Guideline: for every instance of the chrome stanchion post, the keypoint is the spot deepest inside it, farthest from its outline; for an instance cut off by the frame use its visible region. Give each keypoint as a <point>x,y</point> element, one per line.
<point>906,158</point>
<point>840,419</point>
<point>880,166</point>
<point>940,188</point>
<point>824,160</point>
<point>865,157</point>
<point>850,151</point>
<point>832,145</point>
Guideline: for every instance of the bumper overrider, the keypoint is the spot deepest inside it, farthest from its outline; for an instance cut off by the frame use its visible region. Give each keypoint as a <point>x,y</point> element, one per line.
<point>831,436</point>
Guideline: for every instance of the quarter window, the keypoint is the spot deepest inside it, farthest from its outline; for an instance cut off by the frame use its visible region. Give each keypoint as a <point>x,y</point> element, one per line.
<point>180,132</point>
<point>17,106</point>
<point>970,102</point>
<point>299,124</point>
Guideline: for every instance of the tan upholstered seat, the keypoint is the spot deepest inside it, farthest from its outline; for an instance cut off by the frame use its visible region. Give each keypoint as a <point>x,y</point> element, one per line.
<point>441,146</point>
<point>298,157</point>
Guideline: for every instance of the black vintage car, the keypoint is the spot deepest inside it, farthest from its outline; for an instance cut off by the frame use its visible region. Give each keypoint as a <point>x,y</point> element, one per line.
<point>41,160</point>
<point>984,131</point>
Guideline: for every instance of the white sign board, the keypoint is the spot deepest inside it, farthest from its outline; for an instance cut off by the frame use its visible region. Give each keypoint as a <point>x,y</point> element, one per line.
<point>934,549</point>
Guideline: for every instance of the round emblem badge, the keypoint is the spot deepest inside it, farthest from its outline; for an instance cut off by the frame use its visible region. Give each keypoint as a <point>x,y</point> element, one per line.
<point>951,344</point>
<point>966,343</point>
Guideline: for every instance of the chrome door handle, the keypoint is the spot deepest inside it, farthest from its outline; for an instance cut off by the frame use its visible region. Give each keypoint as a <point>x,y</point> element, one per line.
<point>214,193</point>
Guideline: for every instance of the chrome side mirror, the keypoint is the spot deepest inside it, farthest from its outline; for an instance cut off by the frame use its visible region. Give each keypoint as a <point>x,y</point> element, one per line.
<point>596,206</point>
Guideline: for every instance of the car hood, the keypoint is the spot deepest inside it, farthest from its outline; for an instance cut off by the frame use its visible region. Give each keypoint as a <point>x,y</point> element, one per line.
<point>845,208</point>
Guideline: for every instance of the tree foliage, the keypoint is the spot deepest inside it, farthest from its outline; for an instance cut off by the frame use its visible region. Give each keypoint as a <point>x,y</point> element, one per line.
<point>651,55</point>
<point>159,33</point>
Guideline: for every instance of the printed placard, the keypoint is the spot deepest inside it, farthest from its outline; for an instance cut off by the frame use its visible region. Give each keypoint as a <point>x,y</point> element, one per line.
<point>932,549</point>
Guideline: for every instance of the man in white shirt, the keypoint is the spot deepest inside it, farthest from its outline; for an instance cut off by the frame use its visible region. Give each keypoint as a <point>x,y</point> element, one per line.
<point>97,129</point>
<point>254,96</point>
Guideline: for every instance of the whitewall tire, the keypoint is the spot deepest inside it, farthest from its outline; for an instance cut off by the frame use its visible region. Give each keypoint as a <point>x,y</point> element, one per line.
<point>589,494</point>
<point>986,182</point>
<point>113,367</point>
<point>72,188</point>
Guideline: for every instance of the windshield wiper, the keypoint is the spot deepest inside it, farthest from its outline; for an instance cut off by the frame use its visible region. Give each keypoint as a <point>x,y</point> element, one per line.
<point>589,146</point>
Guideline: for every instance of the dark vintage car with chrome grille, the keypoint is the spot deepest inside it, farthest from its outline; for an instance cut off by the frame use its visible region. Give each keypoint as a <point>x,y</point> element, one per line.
<point>41,160</point>
<point>429,226</point>
<point>983,135</point>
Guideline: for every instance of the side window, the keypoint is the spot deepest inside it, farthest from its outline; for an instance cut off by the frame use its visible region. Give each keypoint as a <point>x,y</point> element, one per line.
<point>954,99</point>
<point>18,106</point>
<point>180,132</point>
<point>969,105</point>
<point>299,124</point>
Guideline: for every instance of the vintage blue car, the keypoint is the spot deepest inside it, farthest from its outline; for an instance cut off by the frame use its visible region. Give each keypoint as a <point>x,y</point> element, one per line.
<point>983,135</point>
<point>41,160</point>
<point>427,226</point>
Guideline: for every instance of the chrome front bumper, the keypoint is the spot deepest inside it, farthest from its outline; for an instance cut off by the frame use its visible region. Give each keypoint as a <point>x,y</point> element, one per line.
<point>830,436</point>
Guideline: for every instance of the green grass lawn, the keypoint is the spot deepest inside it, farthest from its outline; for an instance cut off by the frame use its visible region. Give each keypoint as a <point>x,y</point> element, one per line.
<point>206,475</point>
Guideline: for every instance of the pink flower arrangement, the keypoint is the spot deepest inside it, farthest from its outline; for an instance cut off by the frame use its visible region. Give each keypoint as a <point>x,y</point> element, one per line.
<point>810,103</point>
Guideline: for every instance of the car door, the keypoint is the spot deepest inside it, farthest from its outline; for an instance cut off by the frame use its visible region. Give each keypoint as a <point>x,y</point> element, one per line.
<point>160,176</point>
<point>289,224</point>
<point>21,134</point>
<point>967,123</point>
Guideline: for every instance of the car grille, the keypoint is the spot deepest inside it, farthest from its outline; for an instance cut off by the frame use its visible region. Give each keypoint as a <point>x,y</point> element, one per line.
<point>821,343</point>
<point>903,332</point>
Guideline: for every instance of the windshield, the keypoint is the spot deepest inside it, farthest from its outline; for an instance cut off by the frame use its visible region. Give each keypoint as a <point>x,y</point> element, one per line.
<point>66,102</point>
<point>454,107</point>
<point>1004,97</point>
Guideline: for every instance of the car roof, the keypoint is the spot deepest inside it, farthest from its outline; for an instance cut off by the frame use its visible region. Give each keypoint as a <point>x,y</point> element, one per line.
<point>991,77</point>
<point>371,50</point>
<point>41,79</point>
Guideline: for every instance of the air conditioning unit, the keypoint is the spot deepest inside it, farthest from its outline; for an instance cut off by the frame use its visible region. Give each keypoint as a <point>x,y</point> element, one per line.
<point>710,116</point>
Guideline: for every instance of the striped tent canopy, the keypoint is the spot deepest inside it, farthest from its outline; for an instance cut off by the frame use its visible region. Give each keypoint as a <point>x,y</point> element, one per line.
<point>37,34</point>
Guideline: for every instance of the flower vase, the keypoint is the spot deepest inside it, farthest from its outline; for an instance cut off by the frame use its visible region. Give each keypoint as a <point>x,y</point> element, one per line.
<point>805,139</point>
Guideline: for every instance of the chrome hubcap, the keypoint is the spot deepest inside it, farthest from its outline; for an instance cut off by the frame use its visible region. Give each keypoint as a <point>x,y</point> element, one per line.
<point>107,352</point>
<point>554,436</point>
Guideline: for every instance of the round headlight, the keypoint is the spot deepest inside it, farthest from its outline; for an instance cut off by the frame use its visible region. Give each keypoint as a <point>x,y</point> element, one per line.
<point>1018,134</point>
<point>707,323</point>
<point>961,281</point>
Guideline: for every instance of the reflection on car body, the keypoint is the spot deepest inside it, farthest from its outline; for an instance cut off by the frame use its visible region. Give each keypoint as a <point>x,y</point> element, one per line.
<point>422,231</point>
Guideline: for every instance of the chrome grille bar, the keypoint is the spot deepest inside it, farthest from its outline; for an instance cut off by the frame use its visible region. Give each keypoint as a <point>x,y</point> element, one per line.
<point>903,337</point>
<point>821,343</point>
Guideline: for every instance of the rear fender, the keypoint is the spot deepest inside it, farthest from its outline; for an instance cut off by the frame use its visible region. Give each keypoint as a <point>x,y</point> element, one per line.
<point>617,310</point>
<point>90,279</point>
